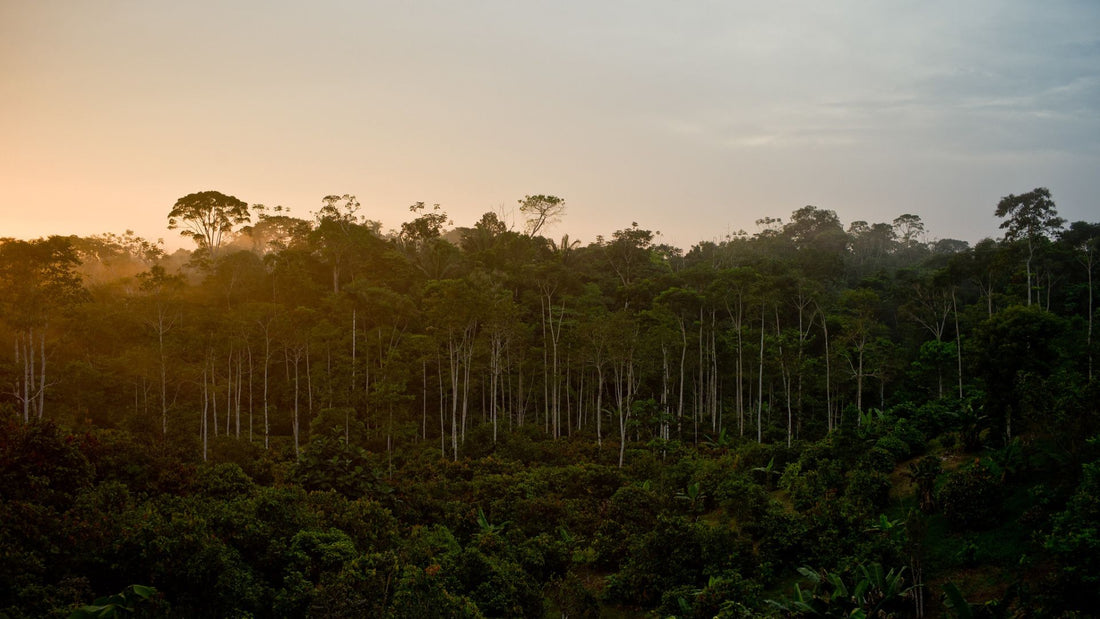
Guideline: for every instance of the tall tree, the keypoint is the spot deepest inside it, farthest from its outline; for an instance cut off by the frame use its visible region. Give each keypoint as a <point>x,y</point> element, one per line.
<point>1030,217</point>
<point>339,230</point>
<point>38,281</point>
<point>541,211</point>
<point>1084,239</point>
<point>206,217</point>
<point>162,316</point>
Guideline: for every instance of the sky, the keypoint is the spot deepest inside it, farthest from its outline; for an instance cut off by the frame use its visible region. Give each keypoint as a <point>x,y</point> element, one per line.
<point>694,119</point>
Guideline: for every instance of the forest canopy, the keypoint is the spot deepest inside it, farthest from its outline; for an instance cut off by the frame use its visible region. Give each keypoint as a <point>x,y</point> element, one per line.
<point>308,416</point>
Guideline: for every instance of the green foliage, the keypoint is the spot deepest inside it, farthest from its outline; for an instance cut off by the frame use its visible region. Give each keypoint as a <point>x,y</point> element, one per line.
<point>866,493</point>
<point>897,448</point>
<point>971,498</point>
<point>330,463</point>
<point>726,595</point>
<point>40,462</point>
<point>131,601</point>
<point>421,594</point>
<point>675,553</point>
<point>924,473</point>
<point>873,592</point>
<point>459,407</point>
<point>1075,543</point>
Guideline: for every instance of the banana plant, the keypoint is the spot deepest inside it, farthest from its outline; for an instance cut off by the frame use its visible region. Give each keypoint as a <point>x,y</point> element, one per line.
<point>873,593</point>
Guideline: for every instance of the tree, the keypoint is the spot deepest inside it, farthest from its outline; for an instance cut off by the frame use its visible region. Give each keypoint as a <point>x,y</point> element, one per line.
<point>860,307</point>
<point>422,242</point>
<point>206,217</point>
<point>628,253</point>
<point>1030,217</point>
<point>1016,348</point>
<point>37,282</point>
<point>541,211</point>
<point>908,229</point>
<point>275,230</point>
<point>819,239</point>
<point>161,317</point>
<point>1084,239</point>
<point>341,234</point>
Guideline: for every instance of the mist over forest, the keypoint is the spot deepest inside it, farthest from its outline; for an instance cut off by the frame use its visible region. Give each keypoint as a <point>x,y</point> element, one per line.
<point>305,415</point>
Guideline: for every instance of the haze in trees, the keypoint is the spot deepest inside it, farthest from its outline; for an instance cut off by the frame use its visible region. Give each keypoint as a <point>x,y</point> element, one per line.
<point>313,417</point>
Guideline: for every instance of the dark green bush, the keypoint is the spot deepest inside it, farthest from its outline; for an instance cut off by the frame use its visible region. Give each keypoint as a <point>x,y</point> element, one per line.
<point>971,498</point>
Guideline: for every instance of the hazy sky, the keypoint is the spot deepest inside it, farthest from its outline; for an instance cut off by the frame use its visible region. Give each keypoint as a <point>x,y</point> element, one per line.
<point>692,118</point>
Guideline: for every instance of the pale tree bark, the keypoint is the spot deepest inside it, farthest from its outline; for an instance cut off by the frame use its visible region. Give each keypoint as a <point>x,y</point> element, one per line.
<point>760,379</point>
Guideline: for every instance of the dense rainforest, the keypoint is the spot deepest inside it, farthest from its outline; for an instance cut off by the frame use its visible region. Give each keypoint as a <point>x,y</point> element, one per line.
<point>313,417</point>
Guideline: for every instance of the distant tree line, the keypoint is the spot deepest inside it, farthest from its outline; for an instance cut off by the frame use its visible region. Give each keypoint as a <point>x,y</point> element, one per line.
<point>423,333</point>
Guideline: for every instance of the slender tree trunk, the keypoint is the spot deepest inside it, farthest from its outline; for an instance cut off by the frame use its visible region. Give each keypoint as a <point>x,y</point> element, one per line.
<point>354,341</point>
<point>828,374</point>
<point>958,342</point>
<point>702,397</point>
<point>786,377</point>
<point>250,375</point>
<point>715,408</point>
<point>467,358</point>
<point>267,366</point>
<point>859,384</point>
<point>240,389</point>
<point>683,362</point>
<point>666,413</point>
<point>42,373</point>
<point>424,400</point>
<point>760,385</point>
<point>22,356</point>
<point>163,380</point>
<point>214,394</point>
<point>1030,253</point>
<point>599,404</point>
<point>295,427</point>
<point>205,405</point>
<point>442,410</point>
<point>452,353</point>
<point>228,391</point>
<point>309,385</point>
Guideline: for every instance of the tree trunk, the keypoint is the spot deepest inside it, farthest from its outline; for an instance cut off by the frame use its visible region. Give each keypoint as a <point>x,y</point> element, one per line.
<point>760,385</point>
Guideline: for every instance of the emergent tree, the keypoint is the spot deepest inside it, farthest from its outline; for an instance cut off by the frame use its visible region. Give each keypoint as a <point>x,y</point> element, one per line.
<point>206,216</point>
<point>1031,217</point>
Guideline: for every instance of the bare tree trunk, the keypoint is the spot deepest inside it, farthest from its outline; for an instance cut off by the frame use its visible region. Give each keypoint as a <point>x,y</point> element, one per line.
<point>467,358</point>
<point>786,378</point>
<point>702,408</point>
<point>958,342</point>
<point>760,385</point>
<point>42,374</point>
<point>665,412</point>
<point>214,394</point>
<point>267,366</point>
<point>228,391</point>
<point>240,388</point>
<point>295,421</point>
<point>452,353</point>
<point>423,399</point>
<point>309,385</point>
<point>442,410</point>
<point>599,404</point>
<point>683,361</point>
<point>354,336</point>
<point>205,405</point>
<point>163,383</point>
<point>715,408</point>
<point>250,375</point>
<point>828,373</point>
